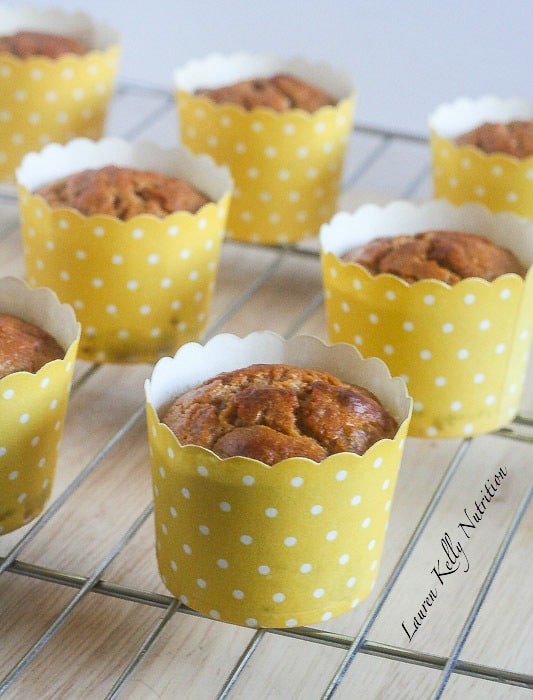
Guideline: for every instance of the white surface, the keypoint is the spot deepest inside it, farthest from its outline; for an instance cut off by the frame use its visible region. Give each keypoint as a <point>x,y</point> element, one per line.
<point>219,69</point>
<point>405,57</point>
<point>452,119</point>
<point>194,363</point>
<point>56,160</point>
<point>347,230</point>
<point>79,25</point>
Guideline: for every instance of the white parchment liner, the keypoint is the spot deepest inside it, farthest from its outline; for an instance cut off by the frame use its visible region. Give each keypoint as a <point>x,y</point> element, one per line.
<point>79,25</point>
<point>140,287</point>
<point>270,546</point>
<point>216,70</point>
<point>452,119</point>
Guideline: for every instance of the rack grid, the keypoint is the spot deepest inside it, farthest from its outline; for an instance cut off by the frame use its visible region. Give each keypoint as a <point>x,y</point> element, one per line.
<point>381,165</point>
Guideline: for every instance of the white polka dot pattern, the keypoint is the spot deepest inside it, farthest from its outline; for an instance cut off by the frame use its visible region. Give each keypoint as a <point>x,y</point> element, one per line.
<point>141,288</point>
<point>463,348</point>
<point>286,166</point>
<point>64,98</point>
<point>268,556</point>
<point>466,174</point>
<point>32,410</point>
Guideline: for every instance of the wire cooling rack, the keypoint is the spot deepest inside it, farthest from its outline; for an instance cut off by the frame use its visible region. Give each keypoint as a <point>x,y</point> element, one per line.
<point>52,625</point>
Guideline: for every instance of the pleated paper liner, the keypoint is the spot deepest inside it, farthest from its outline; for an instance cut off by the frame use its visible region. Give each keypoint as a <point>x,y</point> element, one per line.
<point>140,287</point>
<point>287,166</point>
<point>462,349</point>
<point>45,100</point>
<point>33,407</point>
<point>270,546</point>
<point>466,173</point>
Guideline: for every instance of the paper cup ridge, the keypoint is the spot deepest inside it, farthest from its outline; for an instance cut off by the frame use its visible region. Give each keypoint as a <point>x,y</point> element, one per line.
<point>287,166</point>
<point>462,349</point>
<point>46,100</point>
<point>466,173</point>
<point>33,407</point>
<point>140,287</point>
<point>264,546</point>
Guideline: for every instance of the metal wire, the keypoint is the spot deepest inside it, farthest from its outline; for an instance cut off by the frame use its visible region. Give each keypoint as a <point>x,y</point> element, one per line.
<point>520,429</point>
<point>454,656</point>
<point>303,634</point>
<point>402,561</point>
<point>60,620</point>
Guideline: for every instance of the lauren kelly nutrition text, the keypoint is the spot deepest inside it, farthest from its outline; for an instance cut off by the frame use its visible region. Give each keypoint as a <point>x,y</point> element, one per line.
<point>453,556</point>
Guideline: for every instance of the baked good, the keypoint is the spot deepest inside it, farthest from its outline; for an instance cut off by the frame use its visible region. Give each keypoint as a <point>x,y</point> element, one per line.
<point>274,411</point>
<point>514,138</point>
<point>449,256</point>
<point>122,192</point>
<point>279,92</point>
<point>24,347</point>
<point>25,44</point>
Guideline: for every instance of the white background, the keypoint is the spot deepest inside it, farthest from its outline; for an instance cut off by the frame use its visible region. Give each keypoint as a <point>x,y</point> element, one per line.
<point>405,57</point>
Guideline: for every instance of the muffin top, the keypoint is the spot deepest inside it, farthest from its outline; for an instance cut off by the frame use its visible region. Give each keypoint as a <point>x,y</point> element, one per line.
<point>25,347</point>
<point>279,92</point>
<point>122,192</point>
<point>514,138</point>
<point>271,412</point>
<point>449,256</point>
<point>25,44</point>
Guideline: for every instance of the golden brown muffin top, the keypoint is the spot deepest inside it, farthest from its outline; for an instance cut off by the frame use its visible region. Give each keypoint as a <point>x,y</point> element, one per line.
<point>25,347</point>
<point>280,92</point>
<point>514,138</point>
<point>123,193</point>
<point>449,256</point>
<point>25,44</point>
<point>274,411</point>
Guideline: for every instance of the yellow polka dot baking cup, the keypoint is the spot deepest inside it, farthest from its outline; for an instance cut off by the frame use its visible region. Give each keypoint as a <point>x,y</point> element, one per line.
<point>287,166</point>
<point>270,546</point>
<point>466,173</point>
<point>46,100</point>
<point>140,287</point>
<point>462,349</point>
<point>33,407</point>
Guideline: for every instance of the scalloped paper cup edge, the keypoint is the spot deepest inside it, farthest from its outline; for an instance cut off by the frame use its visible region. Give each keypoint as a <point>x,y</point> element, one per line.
<point>56,160</point>
<point>452,119</point>
<point>41,307</point>
<point>194,363</point>
<point>217,69</point>
<point>97,35</point>
<point>227,478</point>
<point>346,230</point>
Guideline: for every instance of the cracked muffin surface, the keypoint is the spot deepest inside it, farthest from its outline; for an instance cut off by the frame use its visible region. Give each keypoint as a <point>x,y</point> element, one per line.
<point>26,43</point>
<point>24,347</point>
<point>514,138</point>
<point>271,412</point>
<point>122,192</point>
<point>449,256</point>
<point>279,92</point>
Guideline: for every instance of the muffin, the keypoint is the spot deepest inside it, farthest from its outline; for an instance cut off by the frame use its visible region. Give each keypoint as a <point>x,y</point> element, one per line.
<point>140,278</point>
<point>122,193</point>
<point>38,343</point>
<point>449,256</point>
<point>24,347</point>
<point>272,539</point>
<point>482,151</point>
<point>278,92</point>
<point>514,138</point>
<point>26,43</point>
<point>455,324</point>
<point>57,75</point>
<point>281,126</point>
<point>273,412</point>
